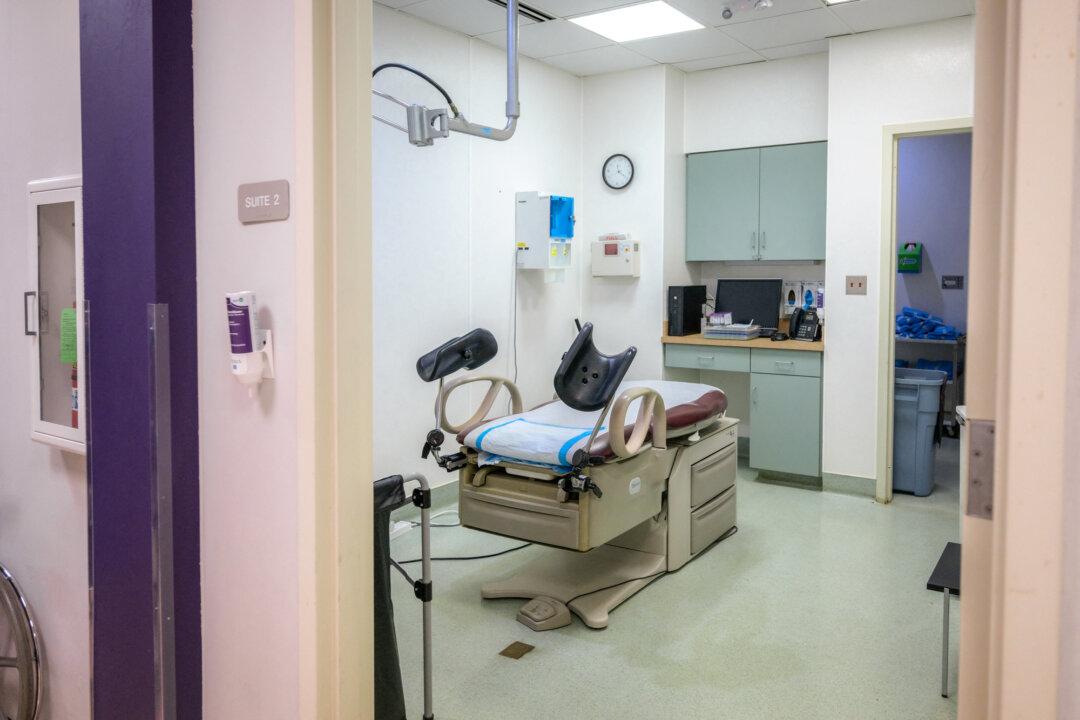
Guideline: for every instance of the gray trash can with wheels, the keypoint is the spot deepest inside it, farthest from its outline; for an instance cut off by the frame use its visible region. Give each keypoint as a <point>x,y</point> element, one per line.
<point>916,401</point>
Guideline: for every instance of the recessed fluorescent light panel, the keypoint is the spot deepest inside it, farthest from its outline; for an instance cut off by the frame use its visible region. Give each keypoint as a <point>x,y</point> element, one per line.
<point>836,2</point>
<point>650,19</point>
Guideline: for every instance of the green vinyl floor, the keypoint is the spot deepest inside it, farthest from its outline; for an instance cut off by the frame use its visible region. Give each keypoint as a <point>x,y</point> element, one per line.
<point>816,608</point>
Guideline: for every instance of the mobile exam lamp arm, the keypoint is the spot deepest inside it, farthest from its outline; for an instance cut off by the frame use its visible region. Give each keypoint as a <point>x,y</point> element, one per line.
<point>424,125</point>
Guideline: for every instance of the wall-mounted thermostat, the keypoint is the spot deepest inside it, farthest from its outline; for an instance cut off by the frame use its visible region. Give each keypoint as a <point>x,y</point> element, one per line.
<point>616,255</point>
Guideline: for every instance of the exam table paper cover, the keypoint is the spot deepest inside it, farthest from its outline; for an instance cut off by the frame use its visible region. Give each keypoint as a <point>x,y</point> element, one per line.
<point>549,435</point>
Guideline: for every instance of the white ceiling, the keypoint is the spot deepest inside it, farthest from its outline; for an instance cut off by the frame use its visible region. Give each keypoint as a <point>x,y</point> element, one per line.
<point>788,28</point>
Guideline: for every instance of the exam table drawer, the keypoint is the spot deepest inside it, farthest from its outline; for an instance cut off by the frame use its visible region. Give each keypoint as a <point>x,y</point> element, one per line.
<point>712,520</point>
<point>786,362</point>
<point>530,509</point>
<point>535,519</point>
<point>713,475</point>
<point>705,357</point>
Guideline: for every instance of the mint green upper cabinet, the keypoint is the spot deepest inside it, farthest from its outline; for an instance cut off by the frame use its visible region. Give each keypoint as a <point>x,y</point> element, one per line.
<point>722,205</point>
<point>792,202</point>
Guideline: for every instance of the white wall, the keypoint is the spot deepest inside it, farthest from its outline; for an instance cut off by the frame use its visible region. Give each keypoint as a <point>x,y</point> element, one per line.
<point>626,112</point>
<point>444,227</point>
<point>910,74</point>
<point>769,103</point>
<point>244,130</point>
<point>676,270</point>
<point>43,500</point>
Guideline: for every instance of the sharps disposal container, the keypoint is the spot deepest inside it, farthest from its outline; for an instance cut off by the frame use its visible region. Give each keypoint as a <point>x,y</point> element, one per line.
<point>917,399</point>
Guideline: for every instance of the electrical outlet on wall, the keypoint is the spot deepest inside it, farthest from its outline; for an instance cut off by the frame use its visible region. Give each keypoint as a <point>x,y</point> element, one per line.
<point>856,285</point>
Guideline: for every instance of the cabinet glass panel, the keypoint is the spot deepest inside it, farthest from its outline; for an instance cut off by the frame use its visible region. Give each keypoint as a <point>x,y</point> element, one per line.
<point>57,328</point>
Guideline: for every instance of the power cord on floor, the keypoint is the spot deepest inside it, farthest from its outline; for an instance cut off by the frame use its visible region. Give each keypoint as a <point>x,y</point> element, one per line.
<point>472,557</point>
<point>401,570</point>
<point>723,537</point>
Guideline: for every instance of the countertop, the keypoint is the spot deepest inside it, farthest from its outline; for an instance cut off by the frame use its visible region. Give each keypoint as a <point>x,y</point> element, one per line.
<point>759,343</point>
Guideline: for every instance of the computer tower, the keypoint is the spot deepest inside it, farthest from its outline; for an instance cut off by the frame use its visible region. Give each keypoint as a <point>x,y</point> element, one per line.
<point>684,309</point>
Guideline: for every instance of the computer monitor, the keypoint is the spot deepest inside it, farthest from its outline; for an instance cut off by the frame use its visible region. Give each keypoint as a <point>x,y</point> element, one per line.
<point>754,300</point>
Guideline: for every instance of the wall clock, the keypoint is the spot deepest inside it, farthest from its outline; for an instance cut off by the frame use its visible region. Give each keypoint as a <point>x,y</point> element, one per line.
<point>618,171</point>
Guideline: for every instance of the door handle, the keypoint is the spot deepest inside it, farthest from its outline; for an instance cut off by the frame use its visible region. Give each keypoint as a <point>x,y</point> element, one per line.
<point>764,240</point>
<point>26,312</point>
<point>753,242</point>
<point>753,395</point>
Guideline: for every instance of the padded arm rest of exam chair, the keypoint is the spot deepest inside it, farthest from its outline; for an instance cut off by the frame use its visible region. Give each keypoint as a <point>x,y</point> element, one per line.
<point>652,413</point>
<point>497,384</point>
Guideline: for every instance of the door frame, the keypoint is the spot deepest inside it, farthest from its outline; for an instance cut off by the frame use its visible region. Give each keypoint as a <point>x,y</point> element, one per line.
<point>891,136</point>
<point>332,205</point>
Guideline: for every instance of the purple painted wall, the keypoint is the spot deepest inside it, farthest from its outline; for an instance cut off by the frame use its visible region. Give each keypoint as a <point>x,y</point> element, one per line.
<point>933,207</point>
<point>139,235</point>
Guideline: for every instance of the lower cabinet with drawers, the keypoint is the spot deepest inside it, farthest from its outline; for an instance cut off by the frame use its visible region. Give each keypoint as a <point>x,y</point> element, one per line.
<point>785,401</point>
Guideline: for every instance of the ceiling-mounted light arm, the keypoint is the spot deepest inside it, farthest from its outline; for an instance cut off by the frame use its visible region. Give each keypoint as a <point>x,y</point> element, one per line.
<point>513,105</point>
<point>424,126</point>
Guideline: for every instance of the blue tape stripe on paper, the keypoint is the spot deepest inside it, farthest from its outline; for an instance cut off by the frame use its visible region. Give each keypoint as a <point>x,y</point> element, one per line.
<point>480,438</point>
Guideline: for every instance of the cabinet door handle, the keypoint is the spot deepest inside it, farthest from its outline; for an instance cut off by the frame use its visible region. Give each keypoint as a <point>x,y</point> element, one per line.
<point>764,240</point>
<point>26,312</point>
<point>753,395</point>
<point>753,242</point>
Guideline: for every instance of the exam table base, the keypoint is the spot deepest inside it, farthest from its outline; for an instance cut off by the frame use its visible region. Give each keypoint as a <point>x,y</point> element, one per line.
<point>567,575</point>
<point>686,502</point>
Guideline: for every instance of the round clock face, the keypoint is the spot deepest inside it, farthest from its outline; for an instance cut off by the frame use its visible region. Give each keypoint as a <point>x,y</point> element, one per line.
<point>618,172</point>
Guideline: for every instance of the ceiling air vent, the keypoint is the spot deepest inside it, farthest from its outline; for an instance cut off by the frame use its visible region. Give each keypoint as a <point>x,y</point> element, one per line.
<point>526,11</point>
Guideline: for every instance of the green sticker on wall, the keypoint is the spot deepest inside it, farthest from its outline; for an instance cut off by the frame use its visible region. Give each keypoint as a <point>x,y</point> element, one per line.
<point>69,336</point>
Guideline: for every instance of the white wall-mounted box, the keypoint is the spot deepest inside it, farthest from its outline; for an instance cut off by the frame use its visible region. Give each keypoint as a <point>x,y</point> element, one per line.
<point>544,230</point>
<point>53,313</point>
<point>616,255</point>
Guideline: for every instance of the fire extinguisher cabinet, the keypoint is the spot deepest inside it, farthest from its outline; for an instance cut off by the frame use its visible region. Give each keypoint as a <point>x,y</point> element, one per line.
<point>53,318</point>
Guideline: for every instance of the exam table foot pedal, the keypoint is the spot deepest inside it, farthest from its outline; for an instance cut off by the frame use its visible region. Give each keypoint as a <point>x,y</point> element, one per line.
<point>590,584</point>
<point>544,613</point>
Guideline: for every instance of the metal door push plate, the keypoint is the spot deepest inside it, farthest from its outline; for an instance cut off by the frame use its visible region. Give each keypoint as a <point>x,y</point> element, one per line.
<point>980,490</point>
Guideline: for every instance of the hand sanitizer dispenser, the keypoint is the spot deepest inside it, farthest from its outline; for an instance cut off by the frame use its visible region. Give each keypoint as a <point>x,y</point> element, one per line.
<point>252,357</point>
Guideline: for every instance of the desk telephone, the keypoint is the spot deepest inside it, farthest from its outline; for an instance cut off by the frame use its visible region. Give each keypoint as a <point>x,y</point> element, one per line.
<point>805,325</point>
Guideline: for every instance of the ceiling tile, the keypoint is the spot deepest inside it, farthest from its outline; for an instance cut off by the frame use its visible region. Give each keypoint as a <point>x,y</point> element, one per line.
<point>570,8</point>
<point>600,60</point>
<point>692,45</point>
<point>876,14</point>
<point>557,37</point>
<point>711,12</point>
<point>786,51</point>
<point>471,17</point>
<point>742,58</point>
<point>788,29</point>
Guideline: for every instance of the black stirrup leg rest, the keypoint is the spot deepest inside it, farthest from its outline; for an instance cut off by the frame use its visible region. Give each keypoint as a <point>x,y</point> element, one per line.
<point>469,351</point>
<point>587,379</point>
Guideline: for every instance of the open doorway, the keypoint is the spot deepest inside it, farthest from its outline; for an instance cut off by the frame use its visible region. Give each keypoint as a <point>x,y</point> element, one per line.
<point>924,308</point>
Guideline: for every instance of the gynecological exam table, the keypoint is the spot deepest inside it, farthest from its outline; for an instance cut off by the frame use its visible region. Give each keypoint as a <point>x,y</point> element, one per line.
<point>636,478</point>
